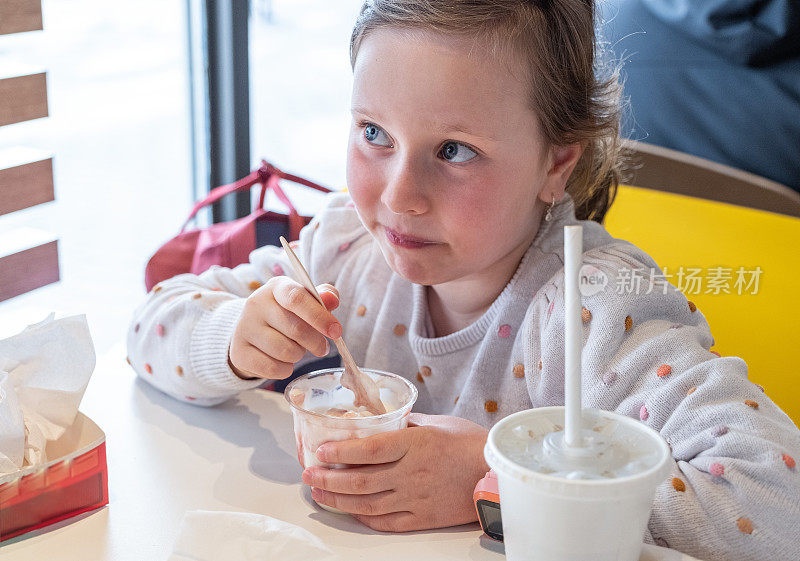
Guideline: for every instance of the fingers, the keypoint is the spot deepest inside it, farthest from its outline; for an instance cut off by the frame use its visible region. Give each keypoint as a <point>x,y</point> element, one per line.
<point>329,295</point>
<point>280,322</point>
<point>420,419</point>
<point>392,522</point>
<point>377,449</point>
<point>252,362</point>
<point>362,480</point>
<point>370,505</point>
<point>292,329</point>
<point>273,343</point>
<point>298,300</point>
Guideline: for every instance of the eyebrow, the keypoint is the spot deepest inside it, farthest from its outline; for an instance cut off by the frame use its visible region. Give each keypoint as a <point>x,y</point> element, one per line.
<point>446,127</point>
<point>442,128</point>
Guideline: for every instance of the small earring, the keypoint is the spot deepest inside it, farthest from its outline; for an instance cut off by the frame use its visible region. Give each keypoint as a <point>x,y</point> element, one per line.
<point>549,214</point>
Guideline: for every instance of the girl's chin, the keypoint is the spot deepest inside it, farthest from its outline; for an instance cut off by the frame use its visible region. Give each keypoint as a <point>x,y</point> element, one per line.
<point>412,270</point>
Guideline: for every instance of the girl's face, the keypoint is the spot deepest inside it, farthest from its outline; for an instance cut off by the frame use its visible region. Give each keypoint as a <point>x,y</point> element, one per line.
<point>445,163</point>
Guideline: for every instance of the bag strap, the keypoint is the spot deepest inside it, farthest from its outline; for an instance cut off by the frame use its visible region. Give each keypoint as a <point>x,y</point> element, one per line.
<point>268,169</point>
<point>296,222</point>
<point>262,175</point>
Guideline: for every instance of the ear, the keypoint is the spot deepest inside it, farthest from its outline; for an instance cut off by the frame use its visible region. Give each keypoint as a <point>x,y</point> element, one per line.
<point>561,161</point>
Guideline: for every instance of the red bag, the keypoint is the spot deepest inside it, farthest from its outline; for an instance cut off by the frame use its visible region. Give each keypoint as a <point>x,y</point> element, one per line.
<point>230,243</point>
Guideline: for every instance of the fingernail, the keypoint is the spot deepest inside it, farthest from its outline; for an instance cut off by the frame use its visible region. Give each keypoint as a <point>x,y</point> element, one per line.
<point>335,330</point>
<point>316,494</point>
<point>321,454</point>
<point>327,347</point>
<point>307,477</point>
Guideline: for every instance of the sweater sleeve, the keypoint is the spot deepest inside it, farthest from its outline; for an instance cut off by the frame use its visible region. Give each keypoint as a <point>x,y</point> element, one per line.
<point>734,490</point>
<point>179,337</point>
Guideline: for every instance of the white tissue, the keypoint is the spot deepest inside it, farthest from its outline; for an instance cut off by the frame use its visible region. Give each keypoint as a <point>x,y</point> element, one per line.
<point>12,427</point>
<point>44,371</point>
<point>240,536</point>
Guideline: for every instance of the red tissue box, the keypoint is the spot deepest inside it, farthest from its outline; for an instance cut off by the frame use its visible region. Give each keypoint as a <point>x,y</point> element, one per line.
<point>73,482</point>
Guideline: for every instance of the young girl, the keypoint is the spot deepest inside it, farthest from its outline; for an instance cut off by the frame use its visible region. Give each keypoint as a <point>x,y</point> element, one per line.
<point>479,130</point>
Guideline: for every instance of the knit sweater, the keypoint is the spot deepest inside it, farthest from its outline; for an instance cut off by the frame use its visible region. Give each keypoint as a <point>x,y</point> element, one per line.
<point>734,490</point>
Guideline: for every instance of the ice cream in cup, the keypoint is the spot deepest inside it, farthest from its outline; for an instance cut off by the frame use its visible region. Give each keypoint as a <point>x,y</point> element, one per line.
<point>323,411</point>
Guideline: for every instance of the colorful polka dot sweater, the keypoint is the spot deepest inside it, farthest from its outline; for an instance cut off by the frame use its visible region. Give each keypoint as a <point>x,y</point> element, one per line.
<point>734,490</point>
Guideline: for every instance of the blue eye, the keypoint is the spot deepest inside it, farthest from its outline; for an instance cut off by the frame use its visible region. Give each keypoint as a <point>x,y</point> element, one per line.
<point>372,134</point>
<point>457,152</point>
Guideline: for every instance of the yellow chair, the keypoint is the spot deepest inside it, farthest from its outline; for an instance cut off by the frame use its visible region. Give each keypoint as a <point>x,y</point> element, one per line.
<point>761,326</point>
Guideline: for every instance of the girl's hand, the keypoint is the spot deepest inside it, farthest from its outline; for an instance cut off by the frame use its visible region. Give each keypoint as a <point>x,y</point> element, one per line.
<point>416,478</point>
<point>279,323</point>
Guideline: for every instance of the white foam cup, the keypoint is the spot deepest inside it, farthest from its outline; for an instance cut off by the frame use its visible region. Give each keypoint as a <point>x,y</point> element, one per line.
<point>316,391</point>
<point>560,516</point>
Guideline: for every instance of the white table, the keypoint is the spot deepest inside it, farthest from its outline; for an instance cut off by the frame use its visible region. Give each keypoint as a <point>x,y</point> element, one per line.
<point>166,457</point>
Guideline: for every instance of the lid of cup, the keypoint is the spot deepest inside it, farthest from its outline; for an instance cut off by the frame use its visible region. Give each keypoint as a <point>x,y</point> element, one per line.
<point>621,456</point>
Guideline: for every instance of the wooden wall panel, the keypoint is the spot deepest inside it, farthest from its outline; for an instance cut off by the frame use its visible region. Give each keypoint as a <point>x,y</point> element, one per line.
<point>28,269</point>
<point>18,16</point>
<point>26,180</point>
<point>28,258</point>
<point>23,98</point>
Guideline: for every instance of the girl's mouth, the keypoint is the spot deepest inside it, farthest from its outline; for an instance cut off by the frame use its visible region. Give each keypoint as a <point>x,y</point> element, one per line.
<point>407,242</point>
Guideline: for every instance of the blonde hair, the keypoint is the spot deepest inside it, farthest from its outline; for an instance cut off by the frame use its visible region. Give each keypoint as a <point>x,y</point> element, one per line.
<point>573,101</point>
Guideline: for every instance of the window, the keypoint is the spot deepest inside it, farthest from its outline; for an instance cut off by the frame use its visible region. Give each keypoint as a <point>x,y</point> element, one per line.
<point>300,81</point>
<point>118,130</point>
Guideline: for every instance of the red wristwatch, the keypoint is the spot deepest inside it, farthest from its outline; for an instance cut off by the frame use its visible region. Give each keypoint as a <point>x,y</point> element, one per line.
<point>487,503</point>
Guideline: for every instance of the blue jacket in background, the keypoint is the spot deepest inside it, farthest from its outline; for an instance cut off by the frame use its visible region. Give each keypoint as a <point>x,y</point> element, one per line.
<point>718,79</point>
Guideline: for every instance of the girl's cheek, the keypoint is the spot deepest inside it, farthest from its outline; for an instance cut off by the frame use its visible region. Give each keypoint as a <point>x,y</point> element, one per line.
<point>352,167</point>
<point>473,198</point>
<point>364,176</point>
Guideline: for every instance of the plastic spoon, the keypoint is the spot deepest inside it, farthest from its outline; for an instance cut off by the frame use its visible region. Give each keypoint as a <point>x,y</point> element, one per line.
<point>364,387</point>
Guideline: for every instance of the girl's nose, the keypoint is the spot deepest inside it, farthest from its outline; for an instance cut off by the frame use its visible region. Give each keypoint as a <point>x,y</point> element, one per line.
<point>405,191</point>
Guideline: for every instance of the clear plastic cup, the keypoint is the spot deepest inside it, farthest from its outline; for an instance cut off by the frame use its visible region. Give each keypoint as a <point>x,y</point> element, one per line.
<point>555,518</point>
<point>318,391</point>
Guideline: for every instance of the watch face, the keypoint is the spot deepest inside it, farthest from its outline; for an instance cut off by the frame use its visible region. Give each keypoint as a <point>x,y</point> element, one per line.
<point>489,516</point>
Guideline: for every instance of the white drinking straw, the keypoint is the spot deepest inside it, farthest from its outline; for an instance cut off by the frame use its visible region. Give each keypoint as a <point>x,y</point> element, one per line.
<point>573,248</point>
